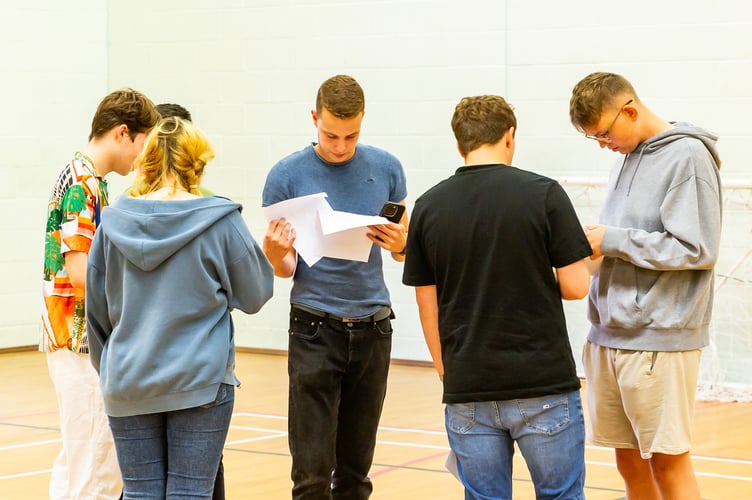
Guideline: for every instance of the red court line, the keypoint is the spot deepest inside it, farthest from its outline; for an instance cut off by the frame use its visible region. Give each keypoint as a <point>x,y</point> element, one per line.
<point>712,404</point>
<point>407,464</point>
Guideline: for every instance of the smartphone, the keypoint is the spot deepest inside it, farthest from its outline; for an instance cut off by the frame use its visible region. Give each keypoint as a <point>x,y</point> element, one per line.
<point>392,211</point>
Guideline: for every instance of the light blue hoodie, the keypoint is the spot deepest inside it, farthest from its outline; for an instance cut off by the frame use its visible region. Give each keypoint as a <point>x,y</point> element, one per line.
<point>654,290</point>
<point>161,281</point>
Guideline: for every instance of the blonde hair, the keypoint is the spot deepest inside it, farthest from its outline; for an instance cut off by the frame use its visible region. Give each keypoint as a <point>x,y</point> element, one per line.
<point>176,151</point>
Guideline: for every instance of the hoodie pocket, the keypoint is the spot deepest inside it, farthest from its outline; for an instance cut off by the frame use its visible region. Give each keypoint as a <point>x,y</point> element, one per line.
<point>636,298</point>
<point>618,299</point>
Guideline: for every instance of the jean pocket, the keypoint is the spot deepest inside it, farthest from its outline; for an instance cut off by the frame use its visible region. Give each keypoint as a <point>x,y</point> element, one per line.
<point>304,326</point>
<point>460,417</point>
<point>225,393</point>
<point>547,414</point>
<point>384,327</point>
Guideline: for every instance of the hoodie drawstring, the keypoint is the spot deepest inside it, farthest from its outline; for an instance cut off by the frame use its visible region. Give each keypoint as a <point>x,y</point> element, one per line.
<point>634,173</point>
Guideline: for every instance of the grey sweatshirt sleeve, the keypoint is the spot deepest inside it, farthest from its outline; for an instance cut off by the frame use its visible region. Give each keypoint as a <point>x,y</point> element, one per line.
<point>690,215</point>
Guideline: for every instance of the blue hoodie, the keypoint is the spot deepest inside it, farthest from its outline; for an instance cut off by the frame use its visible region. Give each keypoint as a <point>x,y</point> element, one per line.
<point>654,290</point>
<point>161,281</point>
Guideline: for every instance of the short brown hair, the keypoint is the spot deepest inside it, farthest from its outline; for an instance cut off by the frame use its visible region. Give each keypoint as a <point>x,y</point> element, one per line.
<point>480,120</point>
<point>593,94</point>
<point>124,107</point>
<point>342,96</point>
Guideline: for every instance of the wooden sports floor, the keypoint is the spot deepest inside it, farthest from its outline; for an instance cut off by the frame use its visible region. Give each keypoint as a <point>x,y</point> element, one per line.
<point>409,461</point>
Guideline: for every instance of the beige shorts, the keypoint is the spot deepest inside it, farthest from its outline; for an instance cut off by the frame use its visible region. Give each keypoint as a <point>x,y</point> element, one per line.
<point>640,399</point>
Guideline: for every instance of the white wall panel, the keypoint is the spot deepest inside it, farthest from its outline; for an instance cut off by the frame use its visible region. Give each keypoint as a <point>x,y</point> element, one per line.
<point>54,72</point>
<point>249,69</point>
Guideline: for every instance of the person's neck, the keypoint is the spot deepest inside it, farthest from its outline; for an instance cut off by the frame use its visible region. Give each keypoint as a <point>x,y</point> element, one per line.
<point>99,158</point>
<point>169,192</point>
<point>653,125</point>
<point>489,154</point>
<point>171,189</point>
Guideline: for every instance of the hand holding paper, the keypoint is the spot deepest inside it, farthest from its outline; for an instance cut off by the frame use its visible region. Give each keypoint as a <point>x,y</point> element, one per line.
<point>323,231</point>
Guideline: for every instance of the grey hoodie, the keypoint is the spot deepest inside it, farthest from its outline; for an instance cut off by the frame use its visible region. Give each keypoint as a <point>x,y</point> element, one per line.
<point>654,291</point>
<point>161,281</point>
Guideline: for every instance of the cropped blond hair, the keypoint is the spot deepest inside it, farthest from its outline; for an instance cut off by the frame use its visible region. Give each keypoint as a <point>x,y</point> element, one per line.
<point>176,151</point>
<point>594,94</point>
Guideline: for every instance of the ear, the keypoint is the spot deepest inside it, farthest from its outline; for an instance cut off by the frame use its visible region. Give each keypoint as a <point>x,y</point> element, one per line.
<point>315,118</point>
<point>122,131</point>
<point>509,137</point>
<point>630,111</point>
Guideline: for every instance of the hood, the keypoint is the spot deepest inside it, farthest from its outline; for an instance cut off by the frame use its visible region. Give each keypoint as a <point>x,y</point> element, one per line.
<point>148,232</point>
<point>680,131</point>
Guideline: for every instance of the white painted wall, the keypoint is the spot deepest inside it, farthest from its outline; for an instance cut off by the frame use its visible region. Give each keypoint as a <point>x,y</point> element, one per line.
<point>53,72</point>
<point>248,71</point>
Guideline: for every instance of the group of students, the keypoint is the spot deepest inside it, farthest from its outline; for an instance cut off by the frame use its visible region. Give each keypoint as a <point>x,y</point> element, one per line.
<point>146,287</point>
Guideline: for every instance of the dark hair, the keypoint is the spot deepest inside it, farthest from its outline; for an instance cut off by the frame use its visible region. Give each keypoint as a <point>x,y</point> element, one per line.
<point>124,107</point>
<point>342,96</point>
<point>482,119</point>
<point>593,94</point>
<point>167,110</point>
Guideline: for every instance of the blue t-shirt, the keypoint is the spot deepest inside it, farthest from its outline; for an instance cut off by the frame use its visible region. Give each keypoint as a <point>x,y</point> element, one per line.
<point>361,185</point>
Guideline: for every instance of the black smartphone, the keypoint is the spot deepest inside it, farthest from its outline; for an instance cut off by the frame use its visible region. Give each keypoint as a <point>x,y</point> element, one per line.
<point>392,211</point>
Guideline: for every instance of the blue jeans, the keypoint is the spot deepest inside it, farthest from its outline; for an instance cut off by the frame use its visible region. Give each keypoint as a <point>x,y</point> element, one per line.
<point>338,374</point>
<point>549,430</point>
<point>173,454</point>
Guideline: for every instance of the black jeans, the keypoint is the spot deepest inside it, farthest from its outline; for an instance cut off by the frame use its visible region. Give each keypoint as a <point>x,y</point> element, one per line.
<point>338,374</point>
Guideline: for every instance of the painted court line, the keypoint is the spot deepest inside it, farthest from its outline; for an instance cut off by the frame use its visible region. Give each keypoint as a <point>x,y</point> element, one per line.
<point>30,444</point>
<point>393,468</point>
<point>258,429</point>
<point>413,445</point>
<point>408,430</point>
<point>256,439</point>
<point>276,433</point>
<point>26,474</point>
<point>741,461</point>
<point>408,444</point>
<point>412,431</point>
<point>260,415</point>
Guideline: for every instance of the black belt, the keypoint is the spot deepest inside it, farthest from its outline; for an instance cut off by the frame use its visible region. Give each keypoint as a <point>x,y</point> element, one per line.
<point>382,313</point>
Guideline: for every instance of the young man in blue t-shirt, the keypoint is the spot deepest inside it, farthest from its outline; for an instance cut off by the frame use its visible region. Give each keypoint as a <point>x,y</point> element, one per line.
<point>340,319</point>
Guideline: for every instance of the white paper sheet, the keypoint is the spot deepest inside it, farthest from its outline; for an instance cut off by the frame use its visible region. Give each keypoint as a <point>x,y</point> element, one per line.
<point>450,463</point>
<point>324,232</point>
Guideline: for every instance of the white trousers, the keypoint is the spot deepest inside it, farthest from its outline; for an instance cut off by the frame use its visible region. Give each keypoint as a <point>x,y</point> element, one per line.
<point>86,468</point>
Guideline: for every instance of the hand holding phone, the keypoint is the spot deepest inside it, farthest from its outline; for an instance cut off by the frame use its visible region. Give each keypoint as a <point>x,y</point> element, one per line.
<point>392,212</point>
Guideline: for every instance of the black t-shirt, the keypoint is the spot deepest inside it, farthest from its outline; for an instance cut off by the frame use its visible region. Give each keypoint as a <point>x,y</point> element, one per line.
<point>488,238</point>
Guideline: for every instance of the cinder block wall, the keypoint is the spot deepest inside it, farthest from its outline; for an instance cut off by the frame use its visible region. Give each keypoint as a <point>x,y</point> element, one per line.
<point>53,68</point>
<point>249,70</point>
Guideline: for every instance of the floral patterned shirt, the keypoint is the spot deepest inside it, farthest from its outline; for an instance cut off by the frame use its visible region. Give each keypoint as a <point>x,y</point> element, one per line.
<point>73,211</point>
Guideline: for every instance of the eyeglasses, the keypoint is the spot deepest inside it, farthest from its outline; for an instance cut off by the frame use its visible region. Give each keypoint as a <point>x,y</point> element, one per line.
<point>603,137</point>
